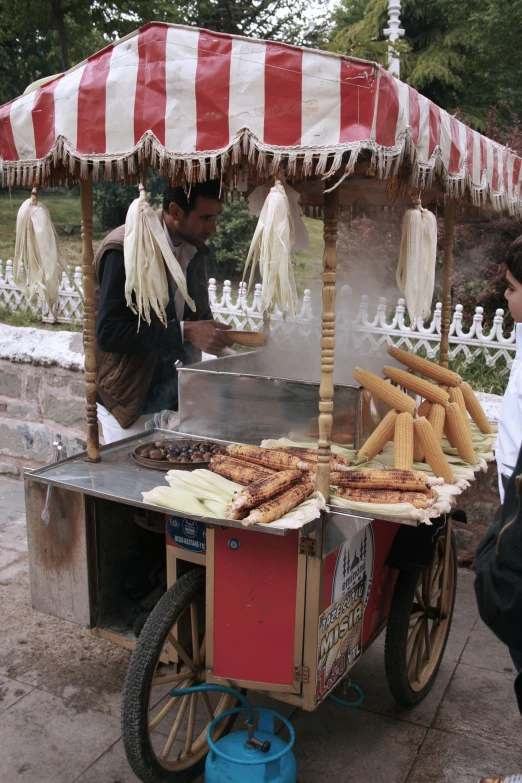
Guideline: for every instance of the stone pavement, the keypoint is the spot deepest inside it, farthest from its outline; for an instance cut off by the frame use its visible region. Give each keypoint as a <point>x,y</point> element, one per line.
<point>60,691</point>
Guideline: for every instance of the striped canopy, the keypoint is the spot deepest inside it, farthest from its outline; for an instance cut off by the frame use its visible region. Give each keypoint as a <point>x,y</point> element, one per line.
<point>194,104</point>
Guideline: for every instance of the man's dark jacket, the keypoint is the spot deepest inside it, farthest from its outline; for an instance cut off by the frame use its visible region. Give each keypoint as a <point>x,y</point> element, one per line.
<point>498,568</point>
<point>136,371</point>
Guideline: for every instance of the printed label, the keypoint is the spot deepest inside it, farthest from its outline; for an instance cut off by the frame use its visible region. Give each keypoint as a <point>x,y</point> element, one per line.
<point>187,534</point>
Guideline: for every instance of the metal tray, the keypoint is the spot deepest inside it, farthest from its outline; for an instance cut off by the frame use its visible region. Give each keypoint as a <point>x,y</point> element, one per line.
<point>166,464</point>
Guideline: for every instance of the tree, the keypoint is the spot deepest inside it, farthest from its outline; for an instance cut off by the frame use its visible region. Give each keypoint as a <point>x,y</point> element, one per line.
<point>42,37</point>
<point>460,55</point>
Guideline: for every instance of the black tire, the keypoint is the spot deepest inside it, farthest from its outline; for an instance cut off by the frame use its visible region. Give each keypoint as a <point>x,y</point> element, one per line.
<point>140,753</point>
<point>406,690</point>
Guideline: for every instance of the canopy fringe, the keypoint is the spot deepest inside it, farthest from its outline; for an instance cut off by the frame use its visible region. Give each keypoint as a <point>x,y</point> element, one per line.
<point>64,164</point>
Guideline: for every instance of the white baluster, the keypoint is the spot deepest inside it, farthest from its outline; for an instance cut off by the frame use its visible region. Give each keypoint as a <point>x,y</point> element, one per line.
<point>362,315</point>
<point>437,318</point>
<point>476,329</point>
<point>2,280</point>
<point>456,324</point>
<point>212,289</point>
<point>227,295</point>
<point>9,272</point>
<point>381,313</point>
<point>256,305</point>
<point>399,315</point>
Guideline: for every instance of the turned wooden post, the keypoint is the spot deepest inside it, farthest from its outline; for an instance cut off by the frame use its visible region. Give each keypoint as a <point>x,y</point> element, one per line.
<point>447,276</point>
<point>326,389</point>
<point>89,320</point>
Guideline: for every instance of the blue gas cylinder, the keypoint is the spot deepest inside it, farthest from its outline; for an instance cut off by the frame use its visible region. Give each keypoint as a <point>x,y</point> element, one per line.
<point>231,760</point>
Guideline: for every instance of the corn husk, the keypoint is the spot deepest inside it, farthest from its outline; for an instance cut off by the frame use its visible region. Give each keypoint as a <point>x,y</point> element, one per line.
<point>271,250</point>
<point>39,258</point>
<point>417,260</point>
<point>146,252</point>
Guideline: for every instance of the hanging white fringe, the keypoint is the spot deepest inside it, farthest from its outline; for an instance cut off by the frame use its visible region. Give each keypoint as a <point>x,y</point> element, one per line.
<point>145,249</point>
<point>39,259</point>
<point>417,260</point>
<point>271,249</point>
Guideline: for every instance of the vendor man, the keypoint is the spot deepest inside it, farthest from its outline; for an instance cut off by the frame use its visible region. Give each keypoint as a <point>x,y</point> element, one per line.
<point>136,364</point>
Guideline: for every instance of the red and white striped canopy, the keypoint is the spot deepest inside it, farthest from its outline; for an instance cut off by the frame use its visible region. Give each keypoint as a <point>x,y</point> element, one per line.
<point>193,103</point>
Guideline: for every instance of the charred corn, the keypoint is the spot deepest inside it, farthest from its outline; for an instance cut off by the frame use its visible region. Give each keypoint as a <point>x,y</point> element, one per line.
<point>460,433</point>
<point>432,449</point>
<point>437,417</point>
<point>403,440</point>
<point>418,385</point>
<point>379,437</point>
<point>425,367</point>
<point>237,470</point>
<point>269,458</point>
<point>387,496</point>
<point>337,461</point>
<point>396,398</point>
<point>263,490</point>
<point>276,507</point>
<point>411,480</point>
<point>475,410</point>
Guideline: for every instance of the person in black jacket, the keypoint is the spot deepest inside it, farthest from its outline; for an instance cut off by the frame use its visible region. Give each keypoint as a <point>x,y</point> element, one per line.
<point>136,374</point>
<point>498,582</point>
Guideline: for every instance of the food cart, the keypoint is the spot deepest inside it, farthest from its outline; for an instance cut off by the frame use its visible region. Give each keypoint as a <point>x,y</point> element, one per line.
<point>282,611</point>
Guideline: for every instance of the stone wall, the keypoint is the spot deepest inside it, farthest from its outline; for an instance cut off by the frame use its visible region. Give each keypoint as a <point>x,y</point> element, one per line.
<point>41,394</point>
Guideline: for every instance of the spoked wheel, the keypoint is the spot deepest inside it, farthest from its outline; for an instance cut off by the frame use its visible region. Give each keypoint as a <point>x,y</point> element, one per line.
<point>419,623</point>
<point>165,736</point>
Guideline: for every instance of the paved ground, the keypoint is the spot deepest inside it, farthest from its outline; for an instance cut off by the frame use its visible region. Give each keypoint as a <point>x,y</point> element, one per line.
<point>60,692</point>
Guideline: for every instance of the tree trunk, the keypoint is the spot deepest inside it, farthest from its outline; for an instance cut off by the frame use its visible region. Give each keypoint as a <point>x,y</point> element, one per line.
<point>59,26</point>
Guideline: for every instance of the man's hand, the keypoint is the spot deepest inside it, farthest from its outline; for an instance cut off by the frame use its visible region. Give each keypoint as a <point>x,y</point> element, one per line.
<point>208,336</point>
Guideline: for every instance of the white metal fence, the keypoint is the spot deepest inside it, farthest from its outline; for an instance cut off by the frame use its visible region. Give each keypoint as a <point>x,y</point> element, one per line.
<point>374,327</point>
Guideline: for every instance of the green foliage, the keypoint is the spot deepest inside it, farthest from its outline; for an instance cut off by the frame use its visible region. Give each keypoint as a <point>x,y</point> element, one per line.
<point>481,377</point>
<point>230,244</point>
<point>463,55</point>
<point>43,37</point>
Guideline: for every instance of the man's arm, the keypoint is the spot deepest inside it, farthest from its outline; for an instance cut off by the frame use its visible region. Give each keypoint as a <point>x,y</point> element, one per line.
<point>117,326</point>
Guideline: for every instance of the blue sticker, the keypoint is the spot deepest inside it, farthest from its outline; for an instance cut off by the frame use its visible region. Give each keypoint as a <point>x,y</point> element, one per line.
<point>233,543</point>
<point>187,533</point>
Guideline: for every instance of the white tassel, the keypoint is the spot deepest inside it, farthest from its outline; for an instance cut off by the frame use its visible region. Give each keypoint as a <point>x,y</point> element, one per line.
<point>418,256</point>
<point>39,259</point>
<point>145,249</point>
<point>271,249</point>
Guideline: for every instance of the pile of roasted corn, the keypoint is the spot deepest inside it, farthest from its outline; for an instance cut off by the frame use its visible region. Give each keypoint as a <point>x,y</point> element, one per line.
<point>275,480</point>
<point>417,432</point>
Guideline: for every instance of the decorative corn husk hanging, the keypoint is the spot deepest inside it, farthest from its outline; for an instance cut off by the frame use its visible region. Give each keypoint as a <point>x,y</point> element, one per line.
<point>271,249</point>
<point>39,259</point>
<point>146,248</point>
<point>418,256</point>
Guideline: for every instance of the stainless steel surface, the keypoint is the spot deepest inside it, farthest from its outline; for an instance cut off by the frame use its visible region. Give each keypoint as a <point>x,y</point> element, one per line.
<point>340,528</point>
<point>274,394</point>
<point>57,453</point>
<point>117,477</point>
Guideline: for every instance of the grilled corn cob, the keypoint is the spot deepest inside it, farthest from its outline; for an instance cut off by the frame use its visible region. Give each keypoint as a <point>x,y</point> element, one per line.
<point>237,470</point>
<point>460,433</point>
<point>425,367</point>
<point>403,440</point>
<point>396,398</point>
<point>276,507</point>
<point>337,461</point>
<point>418,385</point>
<point>432,449</point>
<point>437,417</point>
<point>379,437</point>
<point>424,408</point>
<point>269,458</point>
<point>474,409</point>
<point>388,496</point>
<point>411,480</point>
<point>263,490</point>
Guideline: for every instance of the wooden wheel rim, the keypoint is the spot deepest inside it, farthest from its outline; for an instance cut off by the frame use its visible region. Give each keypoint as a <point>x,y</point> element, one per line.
<point>181,711</point>
<point>431,614</point>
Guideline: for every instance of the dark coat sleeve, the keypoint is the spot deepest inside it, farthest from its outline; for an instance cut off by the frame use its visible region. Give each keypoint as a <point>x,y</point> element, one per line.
<point>498,568</point>
<point>117,328</point>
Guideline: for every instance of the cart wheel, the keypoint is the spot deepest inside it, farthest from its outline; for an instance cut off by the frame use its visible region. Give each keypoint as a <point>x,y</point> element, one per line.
<point>165,737</point>
<point>419,624</point>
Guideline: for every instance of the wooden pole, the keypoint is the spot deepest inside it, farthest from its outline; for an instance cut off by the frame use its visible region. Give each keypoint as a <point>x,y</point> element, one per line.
<point>447,276</point>
<point>89,320</point>
<point>326,389</point>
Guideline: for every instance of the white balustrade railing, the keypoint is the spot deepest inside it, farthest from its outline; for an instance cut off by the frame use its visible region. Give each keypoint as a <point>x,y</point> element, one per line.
<point>365,334</point>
